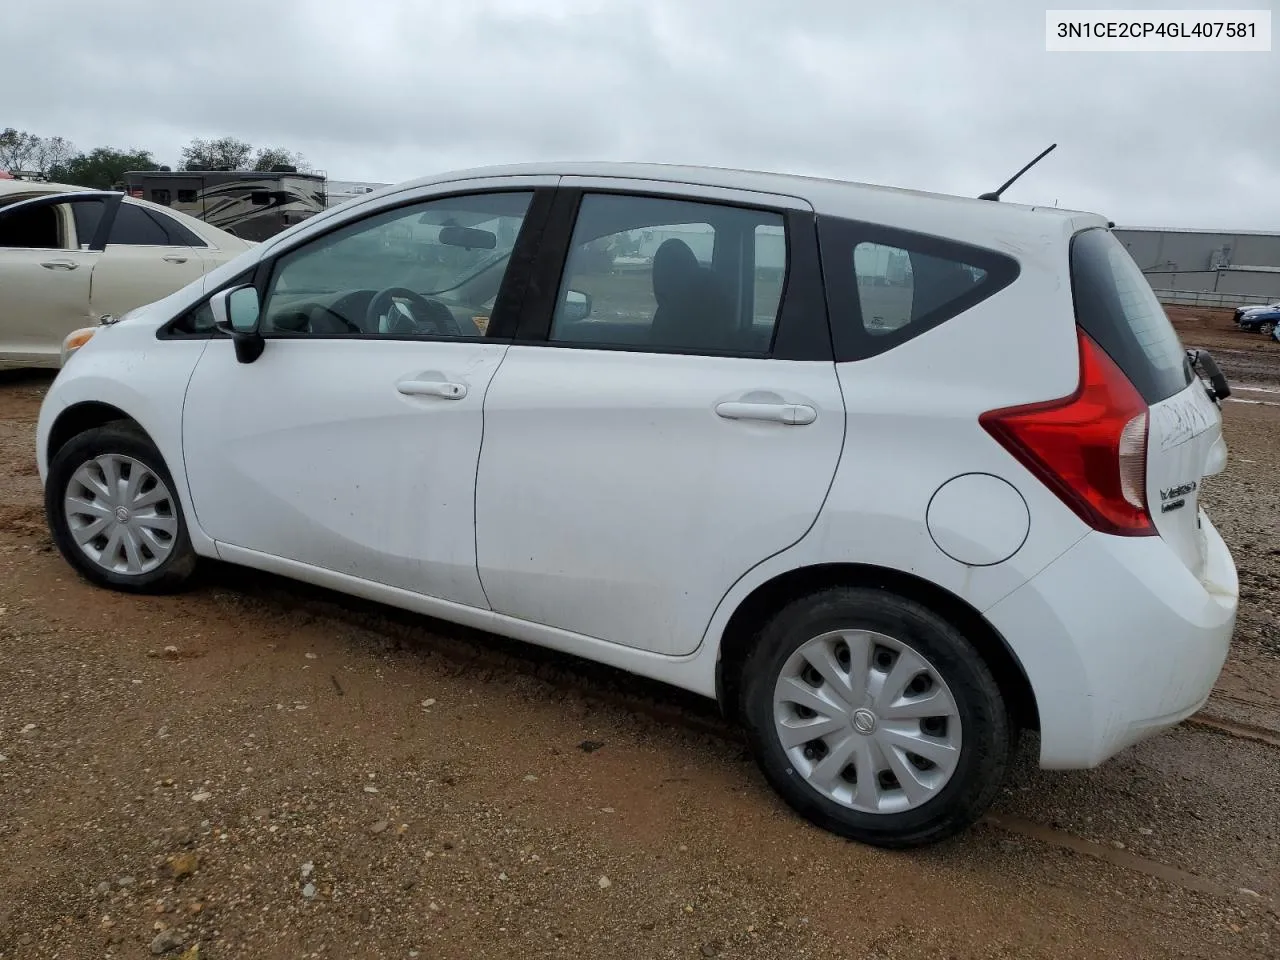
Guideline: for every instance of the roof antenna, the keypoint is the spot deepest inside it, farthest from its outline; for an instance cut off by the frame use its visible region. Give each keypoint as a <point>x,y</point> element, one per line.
<point>995,194</point>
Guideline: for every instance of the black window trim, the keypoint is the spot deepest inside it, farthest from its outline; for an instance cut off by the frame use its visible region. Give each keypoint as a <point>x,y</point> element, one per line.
<point>838,237</point>
<point>800,330</point>
<point>511,293</point>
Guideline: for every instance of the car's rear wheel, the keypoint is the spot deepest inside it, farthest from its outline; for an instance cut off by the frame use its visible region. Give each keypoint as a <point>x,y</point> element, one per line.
<point>113,511</point>
<point>875,718</point>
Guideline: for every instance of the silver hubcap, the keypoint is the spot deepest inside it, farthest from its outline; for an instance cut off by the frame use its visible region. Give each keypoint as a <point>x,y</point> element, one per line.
<point>867,721</point>
<point>121,514</point>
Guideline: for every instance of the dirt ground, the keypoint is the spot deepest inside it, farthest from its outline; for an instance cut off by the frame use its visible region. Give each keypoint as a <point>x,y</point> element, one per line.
<point>260,769</point>
<point>1248,358</point>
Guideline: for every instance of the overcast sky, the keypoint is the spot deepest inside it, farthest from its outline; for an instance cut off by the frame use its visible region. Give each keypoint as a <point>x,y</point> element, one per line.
<point>948,96</point>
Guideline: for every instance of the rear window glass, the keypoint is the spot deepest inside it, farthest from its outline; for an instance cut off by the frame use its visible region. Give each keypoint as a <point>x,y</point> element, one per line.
<point>1115,306</point>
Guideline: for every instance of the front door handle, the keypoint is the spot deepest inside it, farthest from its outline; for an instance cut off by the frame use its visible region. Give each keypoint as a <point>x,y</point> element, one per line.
<point>59,264</point>
<point>174,258</point>
<point>432,388</point>
<point>792,414</point>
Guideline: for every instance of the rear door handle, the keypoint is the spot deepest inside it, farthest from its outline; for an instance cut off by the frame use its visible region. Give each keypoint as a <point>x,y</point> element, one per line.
<point>59,264</point>
<point>792,414</point>
<point>432,388</point>
<point>174,258</point>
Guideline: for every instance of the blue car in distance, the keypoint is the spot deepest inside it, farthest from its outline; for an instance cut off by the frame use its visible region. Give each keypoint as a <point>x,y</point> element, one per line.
<point>1265,322</point>
<point>1261,320</point>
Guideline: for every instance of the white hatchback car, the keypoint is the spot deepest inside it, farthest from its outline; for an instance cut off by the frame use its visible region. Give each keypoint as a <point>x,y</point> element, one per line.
<point>69,256</point>
<point>892,475</point>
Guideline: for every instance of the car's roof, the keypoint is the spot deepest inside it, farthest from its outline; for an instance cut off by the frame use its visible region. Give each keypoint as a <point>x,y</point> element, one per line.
<point>909,209</point>
<point>35,187</point>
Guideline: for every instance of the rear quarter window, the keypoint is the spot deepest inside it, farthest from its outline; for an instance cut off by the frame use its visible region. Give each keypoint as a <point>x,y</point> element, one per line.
<point>886,286</point>
<point>1115,306</point>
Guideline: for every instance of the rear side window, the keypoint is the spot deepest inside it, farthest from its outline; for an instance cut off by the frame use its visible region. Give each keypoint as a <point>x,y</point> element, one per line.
<point>1115,306</point>
<point>887,286</point>
<point>179,236</point>
<point>133,226</point>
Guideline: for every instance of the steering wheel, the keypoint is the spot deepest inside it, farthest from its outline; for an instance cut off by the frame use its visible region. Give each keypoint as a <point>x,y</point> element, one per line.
<point>429,313</point>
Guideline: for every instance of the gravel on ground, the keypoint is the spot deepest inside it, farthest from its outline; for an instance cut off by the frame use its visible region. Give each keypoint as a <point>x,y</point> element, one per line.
<point>256,768</point>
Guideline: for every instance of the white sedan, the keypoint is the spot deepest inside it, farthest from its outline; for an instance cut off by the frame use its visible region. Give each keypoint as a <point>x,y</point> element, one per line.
<point>69,256</point>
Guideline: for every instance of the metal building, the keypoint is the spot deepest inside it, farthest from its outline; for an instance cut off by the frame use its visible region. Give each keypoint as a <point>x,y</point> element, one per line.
<point>1207,267</point>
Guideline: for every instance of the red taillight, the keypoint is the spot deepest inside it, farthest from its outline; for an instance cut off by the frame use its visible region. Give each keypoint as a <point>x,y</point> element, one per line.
<point>1089,448</point>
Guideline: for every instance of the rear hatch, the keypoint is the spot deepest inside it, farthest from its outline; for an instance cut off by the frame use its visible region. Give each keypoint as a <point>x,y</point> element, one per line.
<point>1116,308</point>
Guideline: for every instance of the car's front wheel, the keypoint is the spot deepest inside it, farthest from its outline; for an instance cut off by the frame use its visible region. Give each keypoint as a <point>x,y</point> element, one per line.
<point>113,513</point>
<point>1267,328</point>
<point>874,717</point>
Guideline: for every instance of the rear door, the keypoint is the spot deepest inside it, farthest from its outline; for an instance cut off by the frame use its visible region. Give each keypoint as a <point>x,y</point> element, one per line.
<point>668,417</point>
<point>49,248</point>
<point>1116,307</point>
<point>148,255</point>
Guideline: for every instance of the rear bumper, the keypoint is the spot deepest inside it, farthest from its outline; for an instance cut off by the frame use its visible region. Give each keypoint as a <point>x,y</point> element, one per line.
<point>1119,640</point>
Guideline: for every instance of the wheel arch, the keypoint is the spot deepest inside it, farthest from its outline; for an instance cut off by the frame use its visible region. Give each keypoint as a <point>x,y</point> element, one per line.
<point>769,597</point>
<point>78,418</point>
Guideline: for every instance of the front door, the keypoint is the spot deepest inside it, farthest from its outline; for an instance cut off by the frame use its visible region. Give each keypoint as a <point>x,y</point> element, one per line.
<point>351,443</point>
<point>49,248</point>
<point>671,418</point>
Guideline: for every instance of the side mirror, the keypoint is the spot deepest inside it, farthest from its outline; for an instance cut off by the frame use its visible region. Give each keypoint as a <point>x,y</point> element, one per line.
<point>236,313</point>
<point>577,305</point>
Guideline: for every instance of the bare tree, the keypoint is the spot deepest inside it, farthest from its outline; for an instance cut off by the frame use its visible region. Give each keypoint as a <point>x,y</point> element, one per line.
<point>50,152</point>
<point>16,148</point>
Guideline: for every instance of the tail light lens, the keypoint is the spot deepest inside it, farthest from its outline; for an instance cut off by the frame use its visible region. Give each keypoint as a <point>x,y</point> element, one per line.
<point>1089,448</point>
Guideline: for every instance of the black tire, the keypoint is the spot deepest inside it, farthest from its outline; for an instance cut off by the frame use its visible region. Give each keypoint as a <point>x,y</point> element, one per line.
<point>1266,329</point>
<point>121,438</point>
<point>986,743</point>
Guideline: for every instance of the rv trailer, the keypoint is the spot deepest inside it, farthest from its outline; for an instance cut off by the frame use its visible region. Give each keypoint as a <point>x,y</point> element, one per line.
<point>253,205</point>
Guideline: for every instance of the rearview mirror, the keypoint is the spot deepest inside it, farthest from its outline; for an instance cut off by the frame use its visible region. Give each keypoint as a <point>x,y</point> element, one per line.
<point>468,237</point>
<point>236,313</point>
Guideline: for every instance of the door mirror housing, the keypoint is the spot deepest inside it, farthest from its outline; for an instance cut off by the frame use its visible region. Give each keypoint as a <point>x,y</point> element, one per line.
<point>577,305</point>
<point>237,313</point>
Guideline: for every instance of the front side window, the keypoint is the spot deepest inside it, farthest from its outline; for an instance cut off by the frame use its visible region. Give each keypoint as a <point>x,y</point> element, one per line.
<point>40,227</point>
<point>430,269</point>
<point>88,214</point>
<point>667,274</point>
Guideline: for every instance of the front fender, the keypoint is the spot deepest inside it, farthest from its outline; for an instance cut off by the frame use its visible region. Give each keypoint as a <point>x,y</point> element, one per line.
<point>127,367</point>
